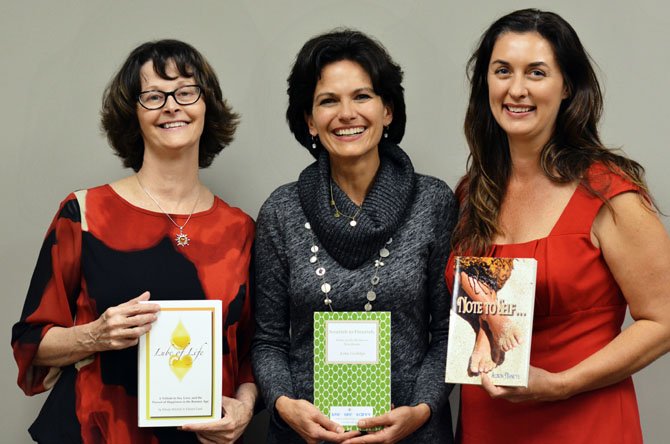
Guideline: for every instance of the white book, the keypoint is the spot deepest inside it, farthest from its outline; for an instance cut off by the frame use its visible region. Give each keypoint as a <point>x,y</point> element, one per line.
<point>179,365</point>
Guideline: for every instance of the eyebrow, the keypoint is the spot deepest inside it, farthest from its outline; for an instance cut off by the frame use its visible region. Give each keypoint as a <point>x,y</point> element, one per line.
<point>356,91</point>
<point>530,65</point>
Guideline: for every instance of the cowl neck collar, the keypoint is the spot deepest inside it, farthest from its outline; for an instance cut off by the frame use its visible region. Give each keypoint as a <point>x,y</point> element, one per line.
<point>383,209</point>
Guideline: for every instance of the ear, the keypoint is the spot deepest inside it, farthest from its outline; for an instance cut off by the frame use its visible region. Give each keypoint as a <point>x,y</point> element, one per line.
<point>388,115</point>
<point>310,124</point>
<point>566,92</point>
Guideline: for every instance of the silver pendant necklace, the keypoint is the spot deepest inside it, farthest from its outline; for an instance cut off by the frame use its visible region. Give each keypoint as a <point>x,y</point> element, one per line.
<point>338,213</point>
<point>320,271</point>
<point>181,239</point>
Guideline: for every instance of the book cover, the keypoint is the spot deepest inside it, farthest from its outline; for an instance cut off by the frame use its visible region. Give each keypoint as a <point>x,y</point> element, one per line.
<point>352,365</point>
<point>491,320</point>
<point>179,365</point>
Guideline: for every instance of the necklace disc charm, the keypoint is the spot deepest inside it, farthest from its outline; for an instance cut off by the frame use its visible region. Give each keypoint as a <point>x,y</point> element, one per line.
<point>182,239</point>
<point>353,223</point>
<point>368,306</point>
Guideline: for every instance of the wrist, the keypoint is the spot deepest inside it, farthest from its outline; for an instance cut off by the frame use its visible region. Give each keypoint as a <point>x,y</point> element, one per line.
<point>283,405</point>
<point>422,411</point>
<point>86,337</point>
<point>247,396</point>
<point>564,385</point>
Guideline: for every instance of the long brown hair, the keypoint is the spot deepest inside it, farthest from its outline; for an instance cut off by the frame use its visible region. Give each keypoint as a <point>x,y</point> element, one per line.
<point>570,151</point>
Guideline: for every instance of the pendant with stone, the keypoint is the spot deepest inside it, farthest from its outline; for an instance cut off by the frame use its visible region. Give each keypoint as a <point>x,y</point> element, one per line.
<point>182,239</point>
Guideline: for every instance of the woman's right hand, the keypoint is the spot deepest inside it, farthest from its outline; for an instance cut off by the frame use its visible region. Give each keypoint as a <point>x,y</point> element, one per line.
<point>121,326</point>
<point>308,422</point>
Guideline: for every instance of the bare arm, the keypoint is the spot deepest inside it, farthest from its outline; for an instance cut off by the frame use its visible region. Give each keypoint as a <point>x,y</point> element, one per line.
<point>118,328</point>
<point>637,251</point>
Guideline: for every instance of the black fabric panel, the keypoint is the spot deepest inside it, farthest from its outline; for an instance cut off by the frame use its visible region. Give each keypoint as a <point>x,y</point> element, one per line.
<point>234,314</point>
<point>170,435</point>
<point>114,277</point>
<point>57,422</point>
<point>41,276</point>
<point>44,268</point>
<point>71,210</point>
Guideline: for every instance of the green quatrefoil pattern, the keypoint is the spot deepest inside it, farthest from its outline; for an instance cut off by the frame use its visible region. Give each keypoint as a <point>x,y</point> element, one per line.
<point>352,384</point>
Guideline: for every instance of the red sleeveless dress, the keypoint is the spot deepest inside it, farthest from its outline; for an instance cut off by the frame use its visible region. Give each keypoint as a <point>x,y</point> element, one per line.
<point>579,308</point>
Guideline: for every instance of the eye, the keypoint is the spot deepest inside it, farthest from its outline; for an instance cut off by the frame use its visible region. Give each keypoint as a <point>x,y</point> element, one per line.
<point>326,101</point>
<point>502,71</point>
<point>152,97</point>
<point>360,97</point>
<point>537,73</point>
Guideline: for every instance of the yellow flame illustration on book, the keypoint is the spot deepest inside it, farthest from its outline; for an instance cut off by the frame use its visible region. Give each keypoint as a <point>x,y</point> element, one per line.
<point>180,340</point>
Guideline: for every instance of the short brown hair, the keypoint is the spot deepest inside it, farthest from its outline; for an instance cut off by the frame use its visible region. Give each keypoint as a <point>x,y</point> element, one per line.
<point>119,103</point>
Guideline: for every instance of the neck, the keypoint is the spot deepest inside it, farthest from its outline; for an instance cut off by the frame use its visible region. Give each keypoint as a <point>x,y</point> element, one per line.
<point>355,177</point>
<point>525,158</point>
<point>174,184</point>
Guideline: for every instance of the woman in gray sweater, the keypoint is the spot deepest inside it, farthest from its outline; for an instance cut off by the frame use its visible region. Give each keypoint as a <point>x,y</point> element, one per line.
<point>376,224</point>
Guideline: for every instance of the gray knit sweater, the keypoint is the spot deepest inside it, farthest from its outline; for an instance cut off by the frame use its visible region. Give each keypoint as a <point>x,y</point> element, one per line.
<point>412,288</point>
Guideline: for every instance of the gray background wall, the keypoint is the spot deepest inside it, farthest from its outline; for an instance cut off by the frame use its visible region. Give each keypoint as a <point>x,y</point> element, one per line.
<point>57,57</point>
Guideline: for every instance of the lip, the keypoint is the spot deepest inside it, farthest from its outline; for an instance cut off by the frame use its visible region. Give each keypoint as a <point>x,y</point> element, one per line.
<point>518,110</point>
<point>173,124</point>
<point>349,132</point>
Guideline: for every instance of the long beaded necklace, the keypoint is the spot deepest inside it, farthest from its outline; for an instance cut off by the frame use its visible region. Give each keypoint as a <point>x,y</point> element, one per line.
<point>320,271</point>
<point>181,239</point>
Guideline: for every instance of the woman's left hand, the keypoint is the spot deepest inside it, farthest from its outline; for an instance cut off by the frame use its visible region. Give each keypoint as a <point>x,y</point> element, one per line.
<point>228,429</point>
<point>398,423</point>
<point>542,386</point>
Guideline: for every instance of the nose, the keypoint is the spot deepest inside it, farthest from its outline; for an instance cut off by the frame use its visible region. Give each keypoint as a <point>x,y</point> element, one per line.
<point>170,103</point>
<point>518,88</point>
<point>347,110</point>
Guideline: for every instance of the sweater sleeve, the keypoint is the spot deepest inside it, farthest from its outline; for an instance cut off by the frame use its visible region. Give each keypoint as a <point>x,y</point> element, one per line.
<point>270,348</point>
<point>429,386</point>
<point>52,295</point>
<point>246,327</point>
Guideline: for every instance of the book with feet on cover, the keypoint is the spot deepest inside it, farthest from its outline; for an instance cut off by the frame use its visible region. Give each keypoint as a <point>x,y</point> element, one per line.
<point>491,320</point>
<point>352,365</point>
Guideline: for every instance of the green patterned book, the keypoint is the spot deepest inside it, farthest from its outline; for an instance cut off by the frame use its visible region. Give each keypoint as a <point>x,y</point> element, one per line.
<point>352,365</point>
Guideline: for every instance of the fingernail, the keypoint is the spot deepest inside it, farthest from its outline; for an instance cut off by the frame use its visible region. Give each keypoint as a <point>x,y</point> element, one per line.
<point>340,429</point>
<point>362,423</point>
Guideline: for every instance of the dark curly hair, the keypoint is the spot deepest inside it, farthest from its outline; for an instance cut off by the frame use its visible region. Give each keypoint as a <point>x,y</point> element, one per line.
<point>119,102</point>
<point>335,46</point>
<point>571,149</point>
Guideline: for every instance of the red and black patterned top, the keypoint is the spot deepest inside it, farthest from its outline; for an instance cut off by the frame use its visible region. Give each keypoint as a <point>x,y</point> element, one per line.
<point>99,252</point>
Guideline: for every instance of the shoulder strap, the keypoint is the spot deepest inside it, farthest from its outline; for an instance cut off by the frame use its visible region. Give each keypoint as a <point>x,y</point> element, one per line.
<point>582,209</point>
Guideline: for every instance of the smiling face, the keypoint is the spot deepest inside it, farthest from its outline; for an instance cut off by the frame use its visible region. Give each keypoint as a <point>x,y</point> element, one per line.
<point>526,87</point>
<point>347,115</point>
<point>173,127</point>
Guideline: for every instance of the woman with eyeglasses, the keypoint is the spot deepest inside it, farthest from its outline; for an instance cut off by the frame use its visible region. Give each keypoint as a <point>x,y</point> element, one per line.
<point>156,234</point>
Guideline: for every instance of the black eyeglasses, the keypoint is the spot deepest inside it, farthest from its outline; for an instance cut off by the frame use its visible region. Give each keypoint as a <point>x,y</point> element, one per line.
<point>155,99</point>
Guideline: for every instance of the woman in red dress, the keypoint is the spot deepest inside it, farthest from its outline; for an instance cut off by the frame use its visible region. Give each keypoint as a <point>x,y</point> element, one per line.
<point>159,233</point>
<point>540,184</point>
